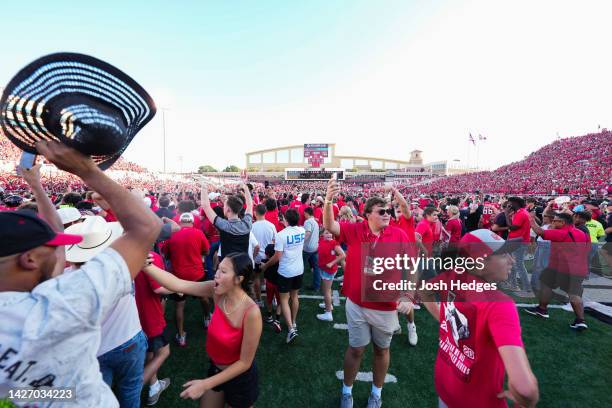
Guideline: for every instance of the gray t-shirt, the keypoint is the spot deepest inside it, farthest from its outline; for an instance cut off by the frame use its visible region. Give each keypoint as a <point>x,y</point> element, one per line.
<point>240,226</point>
<point>311,244</point>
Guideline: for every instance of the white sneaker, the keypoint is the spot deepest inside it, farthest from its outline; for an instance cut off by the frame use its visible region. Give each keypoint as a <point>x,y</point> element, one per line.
<point>327,316</point>
<point>295,326</point>
<point>413,338</point>
<point>322,306</point>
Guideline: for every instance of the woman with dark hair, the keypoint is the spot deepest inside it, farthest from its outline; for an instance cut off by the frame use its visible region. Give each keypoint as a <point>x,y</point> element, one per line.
<point>233,333</point>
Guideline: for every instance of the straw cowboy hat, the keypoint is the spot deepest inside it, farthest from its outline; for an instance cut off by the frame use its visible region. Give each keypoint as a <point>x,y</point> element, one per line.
<point>97,235</point>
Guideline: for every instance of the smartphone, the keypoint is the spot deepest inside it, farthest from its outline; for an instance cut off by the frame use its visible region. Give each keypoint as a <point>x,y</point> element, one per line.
<point>26,161</point>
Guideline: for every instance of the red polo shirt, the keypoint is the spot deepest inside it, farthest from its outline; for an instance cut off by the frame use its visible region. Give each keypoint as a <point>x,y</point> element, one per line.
<point>272,216</point>
<point>185,249</point>
<point>427,236</point>
<point>569,250</point>
<point>148,302</point>
<point>354,235</point>
<point>521,219</point>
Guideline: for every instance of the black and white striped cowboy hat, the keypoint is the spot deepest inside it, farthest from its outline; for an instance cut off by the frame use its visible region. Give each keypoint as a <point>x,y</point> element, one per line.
<point>77,100</point>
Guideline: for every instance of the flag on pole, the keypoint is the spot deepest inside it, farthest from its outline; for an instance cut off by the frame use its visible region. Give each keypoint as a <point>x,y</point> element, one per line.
<point>472,140</point>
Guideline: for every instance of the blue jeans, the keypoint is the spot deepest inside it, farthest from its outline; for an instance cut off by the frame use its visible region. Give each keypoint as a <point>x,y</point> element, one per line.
<point>518,268</point>
<point>214,247</point>
<point>313,259</point>
<point>125,366</point>
<point>540,262</point>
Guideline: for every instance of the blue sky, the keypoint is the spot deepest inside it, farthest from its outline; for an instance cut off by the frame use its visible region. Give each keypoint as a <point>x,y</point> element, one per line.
<point>376,77</point>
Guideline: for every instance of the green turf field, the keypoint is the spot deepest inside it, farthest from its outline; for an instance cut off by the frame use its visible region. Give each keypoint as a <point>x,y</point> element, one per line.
<point>573,369</point>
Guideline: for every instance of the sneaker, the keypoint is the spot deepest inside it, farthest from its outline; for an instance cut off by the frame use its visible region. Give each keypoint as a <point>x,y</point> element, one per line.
<point>269,319</point>
<point>346,401</point>
<point>152,399</point>
<point>181,340</point>
<point>413,338</point>
<point>327,317</point>
<point>295,327</point>
<point>579,324</point>
<point>322,306</point>
<point>291,335</point>
<point>374,401</point>
<point>537,311</point>
<point>276,326</point>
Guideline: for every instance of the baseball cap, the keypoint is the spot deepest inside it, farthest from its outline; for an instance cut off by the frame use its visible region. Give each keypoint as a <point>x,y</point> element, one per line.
<point>213,195</point>
<point>483,242</point>
<point>186,218</point>
<point>21,231</point>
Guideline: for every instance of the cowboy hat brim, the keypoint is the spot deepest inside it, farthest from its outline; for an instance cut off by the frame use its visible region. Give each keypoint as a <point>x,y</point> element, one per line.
<point>77,253</point>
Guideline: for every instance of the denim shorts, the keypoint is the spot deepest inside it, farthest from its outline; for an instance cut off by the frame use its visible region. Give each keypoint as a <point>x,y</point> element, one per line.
<point>326,275</point>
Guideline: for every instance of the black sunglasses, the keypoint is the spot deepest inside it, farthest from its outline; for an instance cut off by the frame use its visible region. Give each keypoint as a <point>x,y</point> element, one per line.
<point>382,212</point>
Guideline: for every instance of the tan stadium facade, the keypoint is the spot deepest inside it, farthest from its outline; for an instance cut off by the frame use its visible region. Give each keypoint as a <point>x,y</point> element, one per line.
<point>280,158</point>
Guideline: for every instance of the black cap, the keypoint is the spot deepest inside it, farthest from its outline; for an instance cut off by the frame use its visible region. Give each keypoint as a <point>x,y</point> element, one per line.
<point>21,231</point>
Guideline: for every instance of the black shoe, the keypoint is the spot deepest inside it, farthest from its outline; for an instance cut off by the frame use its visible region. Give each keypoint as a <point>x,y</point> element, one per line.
<point>269,319</point>
<point>537,311</point>
<point>579,324</point>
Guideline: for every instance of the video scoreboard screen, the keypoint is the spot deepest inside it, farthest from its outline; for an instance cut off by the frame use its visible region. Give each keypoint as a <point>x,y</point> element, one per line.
<point>316,153</point>
<point>313,174</point>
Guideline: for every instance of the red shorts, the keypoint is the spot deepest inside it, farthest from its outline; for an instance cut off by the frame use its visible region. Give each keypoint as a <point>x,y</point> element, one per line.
<point>271,293</point>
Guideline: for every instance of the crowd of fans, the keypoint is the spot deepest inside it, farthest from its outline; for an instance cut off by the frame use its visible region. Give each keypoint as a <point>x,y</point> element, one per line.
<point>575,165</point>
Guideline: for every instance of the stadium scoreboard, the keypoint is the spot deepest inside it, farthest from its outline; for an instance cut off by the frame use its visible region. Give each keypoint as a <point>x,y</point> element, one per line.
<point>313,174</point>
<point>315,153</point>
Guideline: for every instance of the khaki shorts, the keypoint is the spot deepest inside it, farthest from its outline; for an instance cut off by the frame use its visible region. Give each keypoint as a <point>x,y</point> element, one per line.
<point>366,324</point>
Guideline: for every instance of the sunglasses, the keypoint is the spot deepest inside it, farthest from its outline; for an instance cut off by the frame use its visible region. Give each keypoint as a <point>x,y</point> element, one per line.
<point>382,212</point>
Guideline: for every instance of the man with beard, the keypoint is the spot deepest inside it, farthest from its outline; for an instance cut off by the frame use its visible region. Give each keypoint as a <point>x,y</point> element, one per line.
<point>50,330</point>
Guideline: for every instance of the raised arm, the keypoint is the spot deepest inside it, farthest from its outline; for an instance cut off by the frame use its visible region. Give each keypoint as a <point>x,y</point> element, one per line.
<point>208,211</point>
<point>248,199</point>
<point>46,210</point>
<point>403,204</point>
<point>174,284</point>
<point>140,225</point>
<point>328,214</point>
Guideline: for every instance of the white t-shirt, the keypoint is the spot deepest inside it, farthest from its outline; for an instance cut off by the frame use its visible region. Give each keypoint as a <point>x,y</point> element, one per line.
<point>291,242</point>
<point>120,325</point>
<point>50,336</point>
<point>252,244</point>
<point>265,232</point>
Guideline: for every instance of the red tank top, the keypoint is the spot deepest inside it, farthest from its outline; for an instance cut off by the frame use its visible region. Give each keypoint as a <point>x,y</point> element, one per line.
<point>224,341</point>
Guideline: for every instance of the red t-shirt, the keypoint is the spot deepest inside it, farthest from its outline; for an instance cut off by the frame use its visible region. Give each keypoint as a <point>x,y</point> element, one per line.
<point>327,254</point>
<point>295,204</point>
<point>427,237</point>
<point>301,209</point>
<point>318,214</point>
<point>211,232</point>
<point>521,219</point>
<point>110,216</point>
<point>469,371</point>
<point>453,226</point>
<point>148,302</point>
<point>354,235</point>
<point>185,249</point>
<point>406,225</point>
<point>272,216</point>
<point>568,255</point>
<point>487,213</point>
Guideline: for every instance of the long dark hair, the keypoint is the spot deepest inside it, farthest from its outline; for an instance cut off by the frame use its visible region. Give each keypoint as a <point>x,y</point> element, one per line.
<point>243,266</point>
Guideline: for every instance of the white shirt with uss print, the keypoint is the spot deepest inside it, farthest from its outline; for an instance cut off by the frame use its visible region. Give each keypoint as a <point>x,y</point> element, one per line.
<point>50,336</point>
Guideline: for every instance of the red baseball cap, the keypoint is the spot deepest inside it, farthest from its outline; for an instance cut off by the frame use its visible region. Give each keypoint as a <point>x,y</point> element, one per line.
<point>21,231</point>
